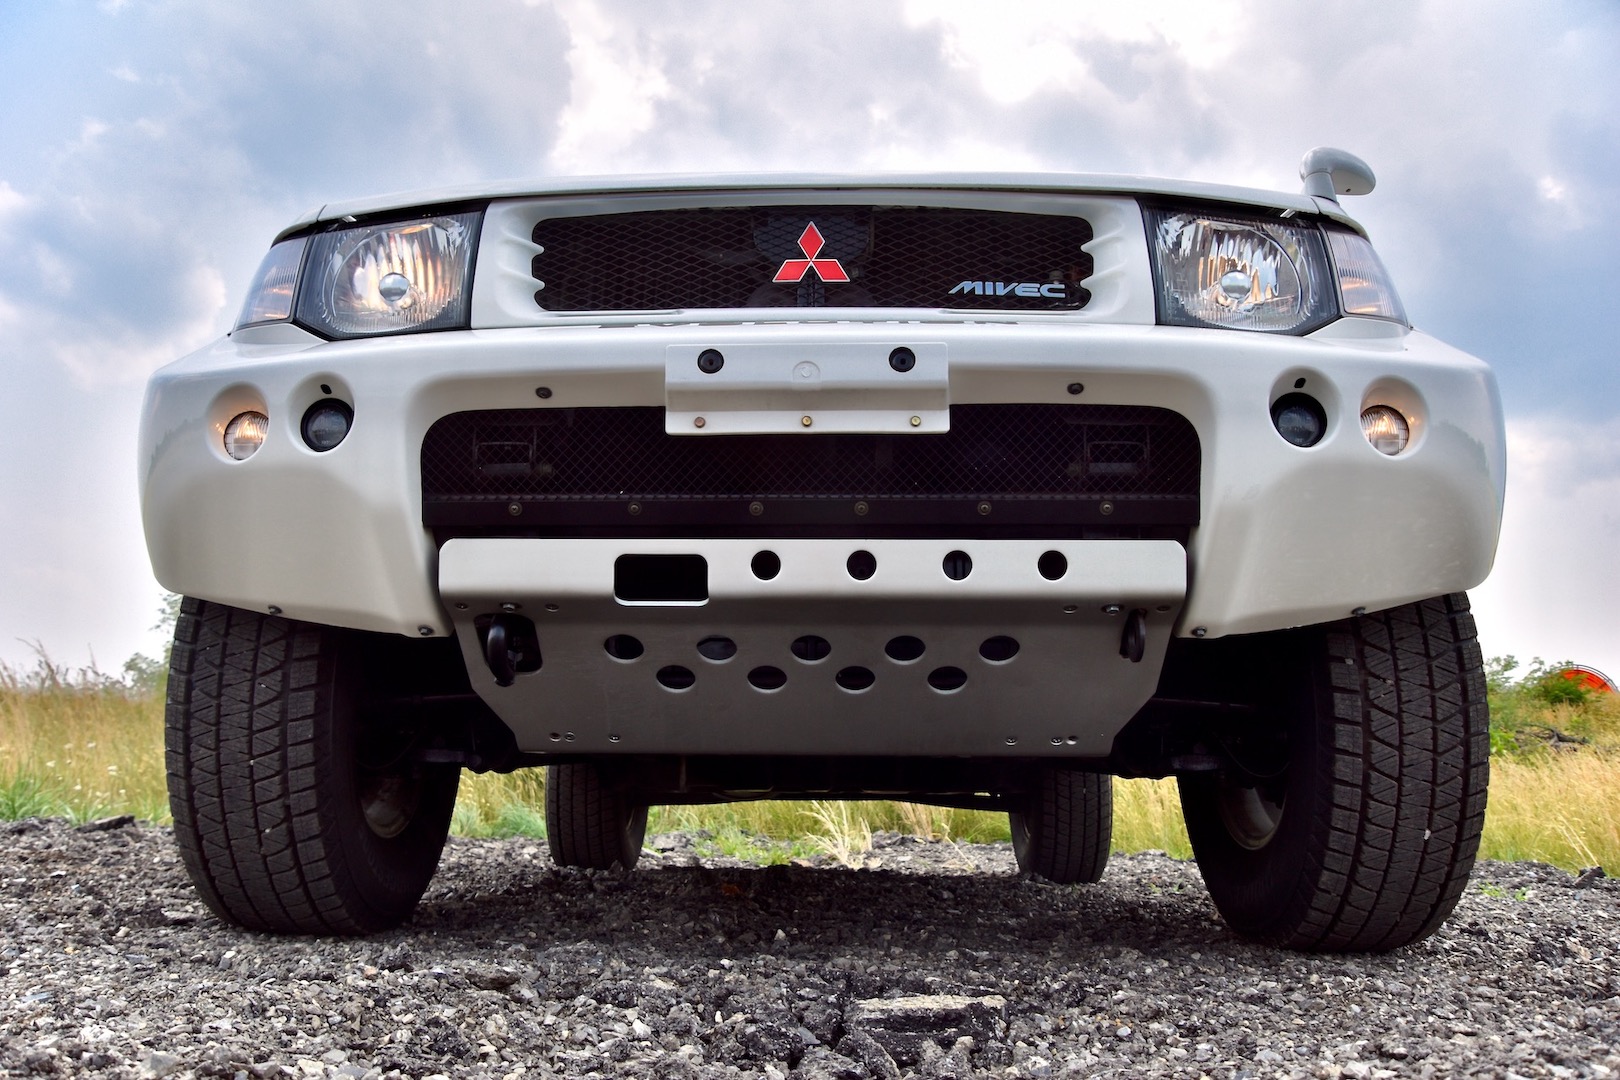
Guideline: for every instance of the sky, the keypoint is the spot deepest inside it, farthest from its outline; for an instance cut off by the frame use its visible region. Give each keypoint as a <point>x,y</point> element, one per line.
<point>150,150</point>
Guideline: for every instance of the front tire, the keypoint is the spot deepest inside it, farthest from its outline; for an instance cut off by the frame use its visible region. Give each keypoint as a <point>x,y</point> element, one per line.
<point>1364,836</point>
<point>296,808</point>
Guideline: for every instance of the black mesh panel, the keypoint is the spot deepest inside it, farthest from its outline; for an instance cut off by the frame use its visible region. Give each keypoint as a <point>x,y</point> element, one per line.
<point>1034,464</point>
<point>892,256</point>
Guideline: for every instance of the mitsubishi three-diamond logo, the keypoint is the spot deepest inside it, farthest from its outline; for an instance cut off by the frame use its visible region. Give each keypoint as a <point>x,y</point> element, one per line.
<point>811,242</point>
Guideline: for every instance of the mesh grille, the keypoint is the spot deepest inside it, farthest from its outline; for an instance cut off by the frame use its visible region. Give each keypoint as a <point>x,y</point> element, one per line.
<point>893,257</point>
<point>1118,463</point>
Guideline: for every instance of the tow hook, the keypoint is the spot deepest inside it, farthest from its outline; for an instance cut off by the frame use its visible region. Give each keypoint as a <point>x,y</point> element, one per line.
<point>1133,641</point>
<point>510,646</point>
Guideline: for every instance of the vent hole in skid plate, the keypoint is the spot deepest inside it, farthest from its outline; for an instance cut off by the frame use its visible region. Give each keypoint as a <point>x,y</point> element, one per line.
<point>676,677</point>
<point>947,679</point>
<point>861,565</point>
<point>1052,565</point>
<point>767,678</point>
<point>999,649</point>
<point>855,679</point>
<point>958,565</point>
<point>811,649</point>
<point>718,649</point>
<point>904,649</point>
<point>624,647</point>
<point>766,565</point>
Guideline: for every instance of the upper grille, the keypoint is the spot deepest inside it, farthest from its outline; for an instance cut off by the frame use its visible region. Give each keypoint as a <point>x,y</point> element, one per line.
<point>903,257</point>
<point>1035,469</point>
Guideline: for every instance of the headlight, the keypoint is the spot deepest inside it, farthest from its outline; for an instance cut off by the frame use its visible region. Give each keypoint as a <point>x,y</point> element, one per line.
<point>388,279</point>
<point>270,299</point>
<point>1240,273</point>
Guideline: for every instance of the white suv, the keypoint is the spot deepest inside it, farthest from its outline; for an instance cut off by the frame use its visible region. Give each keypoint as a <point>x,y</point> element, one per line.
<point>968,490</point>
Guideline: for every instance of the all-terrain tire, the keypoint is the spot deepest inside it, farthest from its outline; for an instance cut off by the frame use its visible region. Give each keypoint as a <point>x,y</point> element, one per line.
<point>272,769</point>
<point>592,821</point>
<point>1064,833</point>
<point>1377,816</point>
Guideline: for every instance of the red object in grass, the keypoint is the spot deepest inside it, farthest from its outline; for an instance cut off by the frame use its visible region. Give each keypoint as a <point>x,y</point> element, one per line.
<point>1589,678</point>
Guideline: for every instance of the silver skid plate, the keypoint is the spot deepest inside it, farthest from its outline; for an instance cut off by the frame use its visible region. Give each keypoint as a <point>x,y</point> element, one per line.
<point>1021,656</point>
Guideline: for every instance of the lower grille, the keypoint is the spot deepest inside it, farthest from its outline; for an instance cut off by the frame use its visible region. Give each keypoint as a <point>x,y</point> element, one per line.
<point>1002,470</point>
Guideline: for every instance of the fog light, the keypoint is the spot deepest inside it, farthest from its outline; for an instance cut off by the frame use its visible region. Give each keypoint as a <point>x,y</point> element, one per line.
<point>1299,419</point>
<point>245,434</point>
<point>1386,429</point>
<point>326,424</point>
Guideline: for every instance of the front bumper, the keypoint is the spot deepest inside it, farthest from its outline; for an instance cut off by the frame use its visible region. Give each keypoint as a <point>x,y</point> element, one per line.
<point>1287,536</point>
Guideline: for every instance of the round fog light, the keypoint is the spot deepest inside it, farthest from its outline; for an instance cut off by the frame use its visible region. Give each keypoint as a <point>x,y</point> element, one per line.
<point>1299,419</point>
<point>326,424</point>
<point>245,434</point>
<point>1386,429</point>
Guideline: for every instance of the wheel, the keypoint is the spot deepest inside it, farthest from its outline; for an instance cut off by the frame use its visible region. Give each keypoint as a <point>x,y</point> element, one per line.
<point>1064,833</point>
<point>295,809</point>
<point>592,821</point>
<point>1362,832</point>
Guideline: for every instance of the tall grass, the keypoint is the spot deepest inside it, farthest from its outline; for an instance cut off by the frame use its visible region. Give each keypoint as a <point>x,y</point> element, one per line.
<point>79,744</point>
<point>83,744</point>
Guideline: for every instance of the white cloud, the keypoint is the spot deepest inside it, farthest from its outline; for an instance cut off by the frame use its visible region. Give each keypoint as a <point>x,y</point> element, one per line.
<point>1555,590</point>
<point>615,80</point>
<point>12,201</point>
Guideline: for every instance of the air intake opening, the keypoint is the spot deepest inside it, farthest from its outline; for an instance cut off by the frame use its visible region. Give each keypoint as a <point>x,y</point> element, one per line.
<point>661,579</point>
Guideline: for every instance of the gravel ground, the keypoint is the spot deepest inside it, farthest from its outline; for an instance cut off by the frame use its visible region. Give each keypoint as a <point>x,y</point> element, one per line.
<point>932,960</point>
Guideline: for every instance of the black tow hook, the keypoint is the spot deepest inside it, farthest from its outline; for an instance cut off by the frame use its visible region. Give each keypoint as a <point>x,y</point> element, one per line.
<point>510,646</point>
<point>1133,642</point>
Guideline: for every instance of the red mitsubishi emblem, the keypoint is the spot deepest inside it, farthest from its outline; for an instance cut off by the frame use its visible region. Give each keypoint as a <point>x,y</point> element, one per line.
<point>810,242</point>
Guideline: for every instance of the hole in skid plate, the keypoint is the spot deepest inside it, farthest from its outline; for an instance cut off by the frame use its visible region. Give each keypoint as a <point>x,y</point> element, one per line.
<point>661,578</point>
<point>855,679</point>
<point>676,677</point>
<point>958,565</point>
<point>904,649</point>
<point>1052,565</point>
<point>766,565</point>
<point>999,649</point>
<point>946,679</point>
<point>811,649</point>
<point>861,565</point>
<point>718,649</point>
<point>623,647</point>
<point>767,678</point>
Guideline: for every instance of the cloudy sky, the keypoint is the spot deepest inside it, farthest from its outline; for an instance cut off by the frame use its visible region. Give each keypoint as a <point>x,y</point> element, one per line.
<point>149,150</point>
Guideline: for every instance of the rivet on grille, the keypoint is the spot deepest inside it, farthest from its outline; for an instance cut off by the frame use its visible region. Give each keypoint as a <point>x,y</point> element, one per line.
<point>756,508</point>
<point>515,509</point>
<point>542,392</point>
<point>510,607</point>
<point>635,509</point>
<point>805,421</point>
<point>1112,609</point>
<point>984,509</point>
<point>699,422</point>
<point>861,509</point>
<point>916,421</point>
<point>1106,508</point>
<point>1077,388</point>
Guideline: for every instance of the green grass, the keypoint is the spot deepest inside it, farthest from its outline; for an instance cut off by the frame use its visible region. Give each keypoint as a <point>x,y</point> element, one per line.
<point>83,744</point>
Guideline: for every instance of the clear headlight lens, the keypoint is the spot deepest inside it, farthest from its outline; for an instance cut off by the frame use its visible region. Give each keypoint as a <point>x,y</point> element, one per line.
<point>1240,273</point>
<point>387,279</point>
<point>1364,284</point>
<point>270,299</point>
